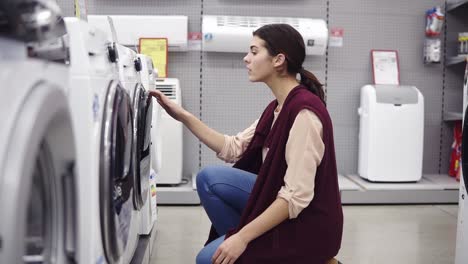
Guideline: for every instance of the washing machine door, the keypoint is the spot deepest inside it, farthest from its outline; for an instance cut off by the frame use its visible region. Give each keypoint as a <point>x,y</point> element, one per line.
<point>143,109</point>
<point>116,173</point>
<point>37,179</point>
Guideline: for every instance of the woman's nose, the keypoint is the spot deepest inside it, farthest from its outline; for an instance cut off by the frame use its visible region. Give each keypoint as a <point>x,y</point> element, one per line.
<point>246,58</point>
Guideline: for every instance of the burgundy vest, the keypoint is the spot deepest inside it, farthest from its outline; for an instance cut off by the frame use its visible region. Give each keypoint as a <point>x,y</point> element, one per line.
<point>315,235</point>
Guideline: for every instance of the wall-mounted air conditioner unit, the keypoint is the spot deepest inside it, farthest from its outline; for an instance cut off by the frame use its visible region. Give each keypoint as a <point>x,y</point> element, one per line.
<point>234,33</point>
<point>129,29</point>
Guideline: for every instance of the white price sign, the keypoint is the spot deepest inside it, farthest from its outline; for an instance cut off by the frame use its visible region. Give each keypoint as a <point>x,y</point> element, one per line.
<point>385,67</point>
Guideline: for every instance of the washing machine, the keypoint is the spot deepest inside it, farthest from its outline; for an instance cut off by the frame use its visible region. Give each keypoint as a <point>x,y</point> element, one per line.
<point>149,211</point>
<point>130,72</point>
<point>461,255</point>
<point>148,79</point>
<point>37,160</point>
<point>102,113</point>
<point>130,76</point>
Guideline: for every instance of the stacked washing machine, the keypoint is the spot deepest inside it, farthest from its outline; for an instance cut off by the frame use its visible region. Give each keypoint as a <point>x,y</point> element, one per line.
<point>37,142</point>
<point>130,66</point>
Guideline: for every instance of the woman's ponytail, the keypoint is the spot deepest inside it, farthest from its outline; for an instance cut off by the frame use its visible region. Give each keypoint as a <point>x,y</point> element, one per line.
<point>309,80</point>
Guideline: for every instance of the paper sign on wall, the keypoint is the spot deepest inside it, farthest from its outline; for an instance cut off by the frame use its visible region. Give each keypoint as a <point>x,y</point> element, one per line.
<point>336,37</point>
<point>194,40</point>
<point>385,67</point>
<point>156,48</point>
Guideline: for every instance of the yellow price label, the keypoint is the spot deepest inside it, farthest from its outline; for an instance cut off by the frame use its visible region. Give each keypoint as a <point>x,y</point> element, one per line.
<point>77,9</point>
<point>156,48</point>
<point>81,10</point>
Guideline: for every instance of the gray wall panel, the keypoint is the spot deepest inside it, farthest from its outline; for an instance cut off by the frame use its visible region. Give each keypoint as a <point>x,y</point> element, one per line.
<point>382,7</point>
<point>431,149</point>
<point>447,140</point>
<point>346,147</point>
<point>67,7</point>
<point>453,100</point>
<point>343,96</point>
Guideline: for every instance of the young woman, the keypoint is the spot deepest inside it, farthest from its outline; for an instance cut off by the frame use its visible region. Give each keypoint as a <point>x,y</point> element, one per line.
<point>280,202</point>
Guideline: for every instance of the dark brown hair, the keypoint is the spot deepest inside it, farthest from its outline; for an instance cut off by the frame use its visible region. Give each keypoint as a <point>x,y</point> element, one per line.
<point>284,39</point>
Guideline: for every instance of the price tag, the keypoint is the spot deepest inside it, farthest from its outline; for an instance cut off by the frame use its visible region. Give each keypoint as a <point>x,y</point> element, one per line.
<point>156,48</point>
<point>385,67</point>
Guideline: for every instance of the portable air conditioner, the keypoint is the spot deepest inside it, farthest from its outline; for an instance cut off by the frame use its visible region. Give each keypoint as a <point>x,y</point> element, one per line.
<point>391,133</point>
<point>170,134</point>
<point>234,33</point>
<point>129,29</point>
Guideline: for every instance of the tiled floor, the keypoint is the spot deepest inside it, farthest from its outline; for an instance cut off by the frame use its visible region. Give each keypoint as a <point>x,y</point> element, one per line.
<point>397,234</point>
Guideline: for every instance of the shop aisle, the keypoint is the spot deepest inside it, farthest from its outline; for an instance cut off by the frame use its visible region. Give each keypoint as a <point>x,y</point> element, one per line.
<point>417,234</point>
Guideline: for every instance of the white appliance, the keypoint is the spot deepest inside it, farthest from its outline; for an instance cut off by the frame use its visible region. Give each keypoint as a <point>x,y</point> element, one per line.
<point>130,29</point>
<point>461,253</point>
<point>171,134</point>
<point>38,189</point>
<point>234,33</point>
<point>148,79</point>
<point>148,211</point>
<point>102,113</point>
<point>130,66</point>
<point>130,76</point>
<point>391,133</point>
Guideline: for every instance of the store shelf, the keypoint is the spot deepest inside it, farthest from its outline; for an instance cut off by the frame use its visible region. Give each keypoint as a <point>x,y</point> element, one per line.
<point>184,193</point>
<point>432,188</point>
<point>456,60</point>
<point>453,116</point>
<point>456,4</point>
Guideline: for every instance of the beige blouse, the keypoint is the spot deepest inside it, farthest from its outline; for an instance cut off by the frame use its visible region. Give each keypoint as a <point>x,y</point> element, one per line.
<point>304,152</point>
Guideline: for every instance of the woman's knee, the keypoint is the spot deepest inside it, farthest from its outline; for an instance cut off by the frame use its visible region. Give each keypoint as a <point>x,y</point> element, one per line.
<point>205,176</point>
<point>203,257</point>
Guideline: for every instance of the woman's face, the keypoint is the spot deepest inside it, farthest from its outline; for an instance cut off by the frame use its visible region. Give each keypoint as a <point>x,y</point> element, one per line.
<point>258,61</point>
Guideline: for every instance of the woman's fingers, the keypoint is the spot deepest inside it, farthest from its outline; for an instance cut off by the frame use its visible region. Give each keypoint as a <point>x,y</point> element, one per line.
<point>226,260</point>
<point>156,94</point>
<point>218,256</point>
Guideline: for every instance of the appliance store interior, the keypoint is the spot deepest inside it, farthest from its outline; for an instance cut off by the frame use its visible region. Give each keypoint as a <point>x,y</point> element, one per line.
<point>130,131</point>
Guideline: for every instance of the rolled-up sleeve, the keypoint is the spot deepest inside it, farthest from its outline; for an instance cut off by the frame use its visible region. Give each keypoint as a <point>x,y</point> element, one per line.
<point>304,152</point>
<point>234,146</point>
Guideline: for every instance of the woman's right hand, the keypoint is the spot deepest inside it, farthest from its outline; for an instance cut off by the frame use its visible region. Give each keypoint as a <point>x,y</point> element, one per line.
<point>173,109</point>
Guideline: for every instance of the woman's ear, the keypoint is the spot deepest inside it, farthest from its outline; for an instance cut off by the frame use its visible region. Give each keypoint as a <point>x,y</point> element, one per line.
<point>279,60</point>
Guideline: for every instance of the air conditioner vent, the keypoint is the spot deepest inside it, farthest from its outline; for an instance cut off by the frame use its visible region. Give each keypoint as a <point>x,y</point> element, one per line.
<point>254,22</point>
<point>168,90</point>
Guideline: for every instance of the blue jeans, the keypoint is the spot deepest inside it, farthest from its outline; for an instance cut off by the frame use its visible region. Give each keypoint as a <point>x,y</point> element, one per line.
<point>223,192</point>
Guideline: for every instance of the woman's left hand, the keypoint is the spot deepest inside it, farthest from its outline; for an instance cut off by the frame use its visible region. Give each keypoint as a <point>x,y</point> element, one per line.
<point>230,250</point>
